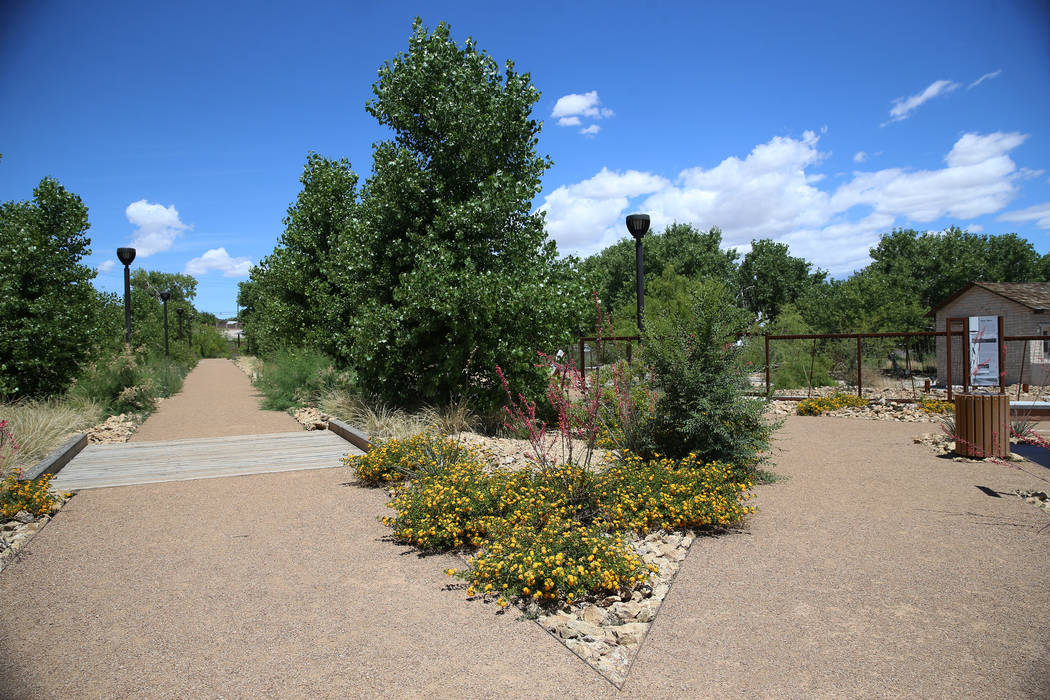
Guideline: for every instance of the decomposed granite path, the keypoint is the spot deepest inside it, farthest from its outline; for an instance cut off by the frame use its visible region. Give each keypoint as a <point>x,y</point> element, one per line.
<point>216,400</point>
<point>874,569</point>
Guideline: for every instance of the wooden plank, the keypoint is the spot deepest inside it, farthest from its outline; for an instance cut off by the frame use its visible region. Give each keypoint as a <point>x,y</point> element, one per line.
<point>154,462</point>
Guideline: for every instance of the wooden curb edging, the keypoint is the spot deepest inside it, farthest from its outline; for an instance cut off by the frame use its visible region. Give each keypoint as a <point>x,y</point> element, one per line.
<point>58,458</point>
<point>350,434</point>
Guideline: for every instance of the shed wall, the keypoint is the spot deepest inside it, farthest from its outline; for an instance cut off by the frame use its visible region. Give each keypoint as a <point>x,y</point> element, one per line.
<point>1017,320</point>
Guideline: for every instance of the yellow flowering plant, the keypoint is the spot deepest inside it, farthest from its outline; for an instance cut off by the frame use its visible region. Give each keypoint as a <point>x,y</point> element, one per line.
<point>824,404</point>
<point>32,495</point>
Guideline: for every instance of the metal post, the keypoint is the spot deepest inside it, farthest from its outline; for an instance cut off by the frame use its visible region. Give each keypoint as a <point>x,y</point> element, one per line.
<point>640,264</point>
<point>1020,379</point>
<point>1002,357</point>
<point>165,301</point>
<point>948,356</point>
<point>966,355</point>
<point>859,391</point>
<point>769,391</point>
<point>583,361</point>
<point>628,352</point>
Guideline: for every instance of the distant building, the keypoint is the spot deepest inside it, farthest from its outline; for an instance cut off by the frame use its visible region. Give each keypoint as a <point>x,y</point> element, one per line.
<point>1025,308</point>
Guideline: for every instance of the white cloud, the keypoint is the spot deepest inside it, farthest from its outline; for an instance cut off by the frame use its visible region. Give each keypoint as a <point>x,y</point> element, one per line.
<point>590,130</point>
<point>157,227</point>
<point>1040,214</point>
<point>569,121</point>
<point>904,106</point>
<point>771,193</point>
<point>106,267</point>
<point>974,228</point>
<point>219,259</point>
<point>860,157</point>
<point>584,216</point>
<point>987,76</point>
<point>586,105</point>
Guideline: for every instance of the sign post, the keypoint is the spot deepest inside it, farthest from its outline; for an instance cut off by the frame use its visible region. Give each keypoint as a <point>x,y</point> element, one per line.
<point>983,352</point>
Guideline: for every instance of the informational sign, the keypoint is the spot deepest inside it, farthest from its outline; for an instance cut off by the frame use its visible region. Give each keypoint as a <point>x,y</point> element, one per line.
<point>984,351</point>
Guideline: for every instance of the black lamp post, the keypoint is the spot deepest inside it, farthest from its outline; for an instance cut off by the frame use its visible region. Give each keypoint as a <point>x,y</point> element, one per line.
<point>638,224</point>
<point>179,312</point>
<point>126,257</point>
<point>164,296</point>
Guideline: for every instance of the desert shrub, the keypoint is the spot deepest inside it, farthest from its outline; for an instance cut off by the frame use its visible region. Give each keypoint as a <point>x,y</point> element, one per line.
<point>298,377</point>
<point>41,426</point>
<point>824,404</point>
<point>704,408</point>
<point>32,495</point>
<point>121,384</point>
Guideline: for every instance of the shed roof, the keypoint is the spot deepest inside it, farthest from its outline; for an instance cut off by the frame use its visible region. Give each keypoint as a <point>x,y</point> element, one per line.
<point>1033,295</point>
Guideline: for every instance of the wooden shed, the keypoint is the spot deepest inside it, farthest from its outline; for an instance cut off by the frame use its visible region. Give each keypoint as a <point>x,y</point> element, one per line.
<point>1025,308</point>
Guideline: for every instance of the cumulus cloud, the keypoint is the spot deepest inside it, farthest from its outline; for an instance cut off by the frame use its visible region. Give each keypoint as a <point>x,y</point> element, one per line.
<point>904,106</point>
<point>218,259</point>
<point>584,216</point>
<point>569,121</point>
<point>590,130</point>
<point>106,267</point>
<point>157,227</point>
<point>860,157</point>
<point>772,193</point>
<point>586,105</point>
<point>987,76</point>
<point>1040,214</point>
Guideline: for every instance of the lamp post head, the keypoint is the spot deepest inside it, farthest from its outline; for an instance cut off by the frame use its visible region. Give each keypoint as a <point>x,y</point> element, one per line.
<point>180,311</point>
<point>638,224</point>
<point>165,295</point>
<point>126,255</point>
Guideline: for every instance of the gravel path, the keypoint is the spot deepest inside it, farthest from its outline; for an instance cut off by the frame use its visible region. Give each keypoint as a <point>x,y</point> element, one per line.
<point>876,569</point>
<point>216,400</point>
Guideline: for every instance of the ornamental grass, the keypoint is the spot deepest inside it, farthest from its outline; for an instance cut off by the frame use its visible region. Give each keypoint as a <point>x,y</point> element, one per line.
<point>825,404</point>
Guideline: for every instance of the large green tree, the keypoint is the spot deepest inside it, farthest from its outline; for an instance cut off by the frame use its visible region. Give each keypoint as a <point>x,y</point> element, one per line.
<point>49,310</point>
<point>770,277</point>
<point>295,295</point>
<point>447,266</point>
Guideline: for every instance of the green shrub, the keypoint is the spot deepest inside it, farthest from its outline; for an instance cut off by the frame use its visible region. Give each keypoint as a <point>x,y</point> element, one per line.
<point>298,377</point>
<point>703,408</point>
<point>129,382</point>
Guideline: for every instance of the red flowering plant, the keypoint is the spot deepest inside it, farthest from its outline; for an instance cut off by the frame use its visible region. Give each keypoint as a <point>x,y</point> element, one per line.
<point>611,410</point>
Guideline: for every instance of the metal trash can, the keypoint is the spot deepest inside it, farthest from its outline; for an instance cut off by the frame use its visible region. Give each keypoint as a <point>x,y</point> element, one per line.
<point>982,425</point>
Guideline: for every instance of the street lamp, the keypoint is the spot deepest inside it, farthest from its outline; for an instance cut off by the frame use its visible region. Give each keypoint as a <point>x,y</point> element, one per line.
<point>164,296</point>
<point>126,257</point>
<point>638,224</point>
<point>179,312</point>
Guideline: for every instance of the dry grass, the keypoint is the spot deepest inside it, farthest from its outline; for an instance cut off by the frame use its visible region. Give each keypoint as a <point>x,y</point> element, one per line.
<point>382,422</point>
<point>38,427</point>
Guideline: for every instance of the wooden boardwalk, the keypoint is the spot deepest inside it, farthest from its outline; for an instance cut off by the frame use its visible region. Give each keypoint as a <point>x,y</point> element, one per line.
<point>201,458</point>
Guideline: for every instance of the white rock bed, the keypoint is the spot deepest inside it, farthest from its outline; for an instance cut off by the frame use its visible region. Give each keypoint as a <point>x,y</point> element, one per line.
<point>877,409</point>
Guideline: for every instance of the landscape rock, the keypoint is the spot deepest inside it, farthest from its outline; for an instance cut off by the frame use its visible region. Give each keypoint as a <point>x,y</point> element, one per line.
<point>114,429</point>
<point>312,419</point>
<point>24,516</point>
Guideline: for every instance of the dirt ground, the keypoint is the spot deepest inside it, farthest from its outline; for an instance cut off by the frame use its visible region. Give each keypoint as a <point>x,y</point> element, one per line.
<point>875,568</point>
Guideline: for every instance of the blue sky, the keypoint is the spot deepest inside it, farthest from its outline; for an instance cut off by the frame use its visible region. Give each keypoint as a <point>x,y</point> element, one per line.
<point>185,126</point>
